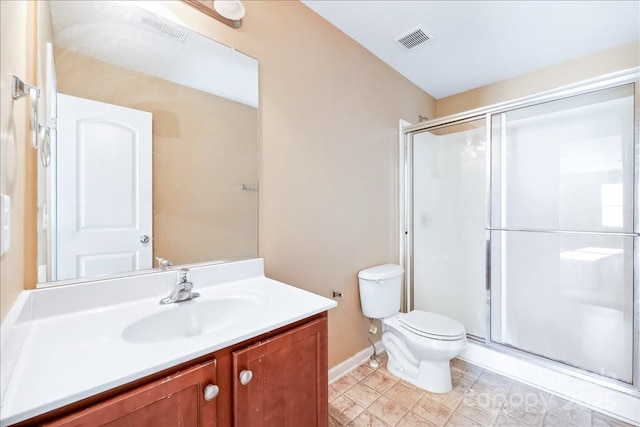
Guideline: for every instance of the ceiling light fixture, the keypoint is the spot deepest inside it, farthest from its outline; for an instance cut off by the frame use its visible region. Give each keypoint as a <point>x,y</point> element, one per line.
<point>229,12</point>
<point>230,9</point>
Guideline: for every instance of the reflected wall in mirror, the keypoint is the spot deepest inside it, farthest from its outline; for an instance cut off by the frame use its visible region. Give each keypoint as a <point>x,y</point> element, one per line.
<point>154,143</point>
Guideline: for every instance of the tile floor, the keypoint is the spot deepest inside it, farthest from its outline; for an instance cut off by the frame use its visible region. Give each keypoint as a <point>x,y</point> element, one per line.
<point>373,397</point>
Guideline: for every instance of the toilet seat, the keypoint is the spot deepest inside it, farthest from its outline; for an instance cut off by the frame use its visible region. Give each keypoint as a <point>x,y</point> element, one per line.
<point>432,325</point>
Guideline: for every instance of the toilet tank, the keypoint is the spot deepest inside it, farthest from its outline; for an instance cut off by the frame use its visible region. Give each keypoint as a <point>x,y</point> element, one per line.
<point>380,290</point>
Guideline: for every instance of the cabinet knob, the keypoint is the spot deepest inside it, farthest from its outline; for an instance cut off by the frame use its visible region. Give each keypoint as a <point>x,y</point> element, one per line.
<point>210,392</point>
<point>144,239</point>
<point>245,376</point>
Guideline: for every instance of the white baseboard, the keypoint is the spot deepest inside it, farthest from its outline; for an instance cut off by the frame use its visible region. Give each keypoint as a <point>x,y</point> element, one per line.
<point>342,369</point>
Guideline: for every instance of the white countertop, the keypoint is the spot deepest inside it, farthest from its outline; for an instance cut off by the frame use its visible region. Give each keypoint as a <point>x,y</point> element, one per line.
<point>68,356</point>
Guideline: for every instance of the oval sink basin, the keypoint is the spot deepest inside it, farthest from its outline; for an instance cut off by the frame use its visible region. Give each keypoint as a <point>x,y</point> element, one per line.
<point>191,318</point>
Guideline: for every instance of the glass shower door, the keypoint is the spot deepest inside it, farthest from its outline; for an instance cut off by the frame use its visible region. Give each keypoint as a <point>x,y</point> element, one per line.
<point>563,230</point>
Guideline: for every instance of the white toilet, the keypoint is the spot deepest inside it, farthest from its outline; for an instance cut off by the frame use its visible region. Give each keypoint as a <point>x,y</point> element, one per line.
<point>419,344</point>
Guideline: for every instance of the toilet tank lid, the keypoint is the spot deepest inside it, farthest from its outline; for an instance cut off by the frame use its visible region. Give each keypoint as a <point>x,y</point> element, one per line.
<point>381,272</point>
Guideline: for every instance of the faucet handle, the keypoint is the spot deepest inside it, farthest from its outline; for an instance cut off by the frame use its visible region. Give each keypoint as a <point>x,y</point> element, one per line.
<point>182,278</point>
<point>182,290</point>
<point>184,283</point>
<point>164,263</point>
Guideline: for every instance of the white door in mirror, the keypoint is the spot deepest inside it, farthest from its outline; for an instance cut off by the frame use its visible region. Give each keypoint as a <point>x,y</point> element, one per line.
<point>5,223</point>
<point>103,189</point>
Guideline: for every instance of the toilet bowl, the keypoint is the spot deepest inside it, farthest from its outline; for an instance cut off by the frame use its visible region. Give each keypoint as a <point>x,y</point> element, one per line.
<point>419,344</point>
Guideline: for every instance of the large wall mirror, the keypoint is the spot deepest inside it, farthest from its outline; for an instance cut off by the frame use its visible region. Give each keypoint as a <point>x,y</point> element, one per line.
<point>149,143</point>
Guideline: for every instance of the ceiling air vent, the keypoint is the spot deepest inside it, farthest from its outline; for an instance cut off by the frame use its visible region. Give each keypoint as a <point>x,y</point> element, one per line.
<point>164,29</point>
<point>413,38</point>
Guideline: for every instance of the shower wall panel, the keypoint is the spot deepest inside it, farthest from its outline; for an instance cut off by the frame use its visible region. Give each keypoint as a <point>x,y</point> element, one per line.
<point>449,185</point>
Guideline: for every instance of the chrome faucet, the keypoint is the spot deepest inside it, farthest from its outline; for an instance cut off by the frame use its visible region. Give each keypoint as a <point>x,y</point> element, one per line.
<point>182,291</point>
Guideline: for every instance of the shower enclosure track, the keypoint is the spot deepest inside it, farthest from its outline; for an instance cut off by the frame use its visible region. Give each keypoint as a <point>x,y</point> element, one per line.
<point>535,230</point>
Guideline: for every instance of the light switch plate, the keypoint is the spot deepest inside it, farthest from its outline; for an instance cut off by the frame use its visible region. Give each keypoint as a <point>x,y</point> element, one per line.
<point>5,223</point>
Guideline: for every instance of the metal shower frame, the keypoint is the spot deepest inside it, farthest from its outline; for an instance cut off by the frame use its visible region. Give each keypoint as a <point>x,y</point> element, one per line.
<point>604,82</point>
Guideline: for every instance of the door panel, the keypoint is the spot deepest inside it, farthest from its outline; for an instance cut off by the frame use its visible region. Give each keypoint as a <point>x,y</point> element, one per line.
<point>105,263</point>
<point>177,400</point>
<point>289,385</point>
<point>104,188</point>
<point>107,200</point>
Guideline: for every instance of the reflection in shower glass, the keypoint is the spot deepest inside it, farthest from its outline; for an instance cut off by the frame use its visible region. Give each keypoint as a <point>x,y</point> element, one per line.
<point>567,297</point>
<point>562,189</point>
<point>552,160</point>
<point>449,179</point>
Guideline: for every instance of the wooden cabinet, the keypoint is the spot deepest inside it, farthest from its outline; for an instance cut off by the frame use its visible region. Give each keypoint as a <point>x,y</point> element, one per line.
<point>283,381</point>
<point>288,386</point>
<point>177,400</point>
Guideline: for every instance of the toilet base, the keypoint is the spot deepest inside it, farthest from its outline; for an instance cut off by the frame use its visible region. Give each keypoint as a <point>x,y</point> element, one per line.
<point>433,376</point>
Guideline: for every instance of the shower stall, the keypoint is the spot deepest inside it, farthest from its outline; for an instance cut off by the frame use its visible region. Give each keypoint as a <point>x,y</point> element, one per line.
<point>521,222</point>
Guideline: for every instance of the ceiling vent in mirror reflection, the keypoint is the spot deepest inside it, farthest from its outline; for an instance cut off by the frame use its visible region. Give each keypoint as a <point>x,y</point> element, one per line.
<point>127,35</point>
<point>164,29</point>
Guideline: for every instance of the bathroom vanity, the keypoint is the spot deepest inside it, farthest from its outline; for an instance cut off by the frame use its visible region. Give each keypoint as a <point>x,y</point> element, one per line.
<point>263,381</point>
<point>97,350</point>
<point>264,363</point>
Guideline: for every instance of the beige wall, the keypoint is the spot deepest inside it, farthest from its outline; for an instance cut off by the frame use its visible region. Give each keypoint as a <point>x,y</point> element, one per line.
<point>204,148</point>
<point>587,67</point>
<point>17,266</point>
<point>329,115</point>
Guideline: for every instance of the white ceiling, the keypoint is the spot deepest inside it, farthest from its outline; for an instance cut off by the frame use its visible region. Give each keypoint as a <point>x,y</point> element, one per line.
<point>481,42</point>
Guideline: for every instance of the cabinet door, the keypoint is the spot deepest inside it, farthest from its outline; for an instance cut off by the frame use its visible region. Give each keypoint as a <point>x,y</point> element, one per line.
<point>288,384</point>
<point>177,400</point>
